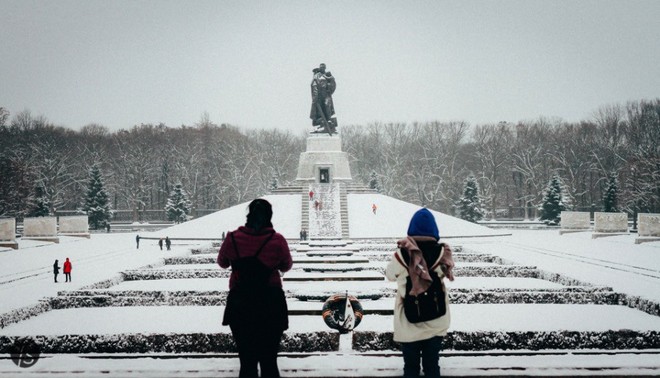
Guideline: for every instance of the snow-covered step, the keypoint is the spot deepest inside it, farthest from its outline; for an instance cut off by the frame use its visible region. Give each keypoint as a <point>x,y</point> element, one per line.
<point>329,259</point>
<point>331,268</point>
<point>331,364</point>
<point>214,284</point>
<point>330,252</point>
<point>369,307</point>
<point>334,276</point>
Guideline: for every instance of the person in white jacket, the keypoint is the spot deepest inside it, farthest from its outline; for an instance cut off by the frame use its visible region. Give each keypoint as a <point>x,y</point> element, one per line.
<point>420,340</point>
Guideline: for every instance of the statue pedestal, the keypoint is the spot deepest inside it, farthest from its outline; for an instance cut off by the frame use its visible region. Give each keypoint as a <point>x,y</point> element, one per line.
<point>323,161</point>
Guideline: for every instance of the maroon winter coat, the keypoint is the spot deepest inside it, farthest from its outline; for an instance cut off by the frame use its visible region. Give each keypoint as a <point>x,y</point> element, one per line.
<point>275,253</point>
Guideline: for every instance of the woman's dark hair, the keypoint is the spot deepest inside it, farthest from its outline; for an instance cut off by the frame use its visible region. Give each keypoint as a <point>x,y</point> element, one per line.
<point>259,215</point>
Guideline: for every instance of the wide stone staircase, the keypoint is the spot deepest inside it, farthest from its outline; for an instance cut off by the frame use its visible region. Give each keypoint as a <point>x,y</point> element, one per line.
<point>498,309</point>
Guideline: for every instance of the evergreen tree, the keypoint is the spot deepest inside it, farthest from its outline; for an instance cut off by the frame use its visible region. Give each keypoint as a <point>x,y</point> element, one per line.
<point>552,205</point>
<point>470,203</point>
<point>97,205</point>
<point>178,205</point>
<point>374,183</point>
<point>611,195</point>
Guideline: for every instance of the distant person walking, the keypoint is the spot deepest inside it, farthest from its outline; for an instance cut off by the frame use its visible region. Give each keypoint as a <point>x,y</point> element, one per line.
<point>56,270</point>
<point>311,195</point>
<point>256,308</point>
<point>160,243</point>
<point>374,208</point>
<point>137,242</point>
<point>67,270</point>
<point>419,255</point>
<point>168,242</point>
<point>107,227</point>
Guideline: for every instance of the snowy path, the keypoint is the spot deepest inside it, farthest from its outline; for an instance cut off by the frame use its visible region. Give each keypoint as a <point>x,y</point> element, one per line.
<point>27,274</point>
<point>352,365</point>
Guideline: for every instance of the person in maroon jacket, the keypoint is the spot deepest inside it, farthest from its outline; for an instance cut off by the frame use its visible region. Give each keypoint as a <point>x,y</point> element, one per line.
<point>67,270</point>
<point>256,309</point>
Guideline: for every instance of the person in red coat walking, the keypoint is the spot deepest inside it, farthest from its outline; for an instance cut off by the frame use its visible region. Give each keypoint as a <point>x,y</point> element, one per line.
<point>67,270</point>
<point>256,309</point>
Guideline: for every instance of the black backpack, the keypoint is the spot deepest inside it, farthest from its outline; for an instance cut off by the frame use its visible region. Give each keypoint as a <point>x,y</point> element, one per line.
<point>428,305</point>
<point>253,274</point>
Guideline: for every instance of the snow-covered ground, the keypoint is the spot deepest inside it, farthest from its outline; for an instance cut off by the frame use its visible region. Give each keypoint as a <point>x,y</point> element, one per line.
<point>633,270</point>
<point>614,261</point>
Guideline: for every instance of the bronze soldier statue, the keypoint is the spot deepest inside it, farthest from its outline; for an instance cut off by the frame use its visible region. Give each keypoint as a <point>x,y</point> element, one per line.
<point>323,109</point>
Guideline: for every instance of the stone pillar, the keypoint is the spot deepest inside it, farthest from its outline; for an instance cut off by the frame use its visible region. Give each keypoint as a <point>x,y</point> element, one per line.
<point>323,161</point>
<point>8,233</point>
<point>41,228</point>
<point>75,225</point>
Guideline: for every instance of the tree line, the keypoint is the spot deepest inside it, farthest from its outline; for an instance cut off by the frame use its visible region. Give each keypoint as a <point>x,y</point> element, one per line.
<point>427,163</point>
<point>422,163</point>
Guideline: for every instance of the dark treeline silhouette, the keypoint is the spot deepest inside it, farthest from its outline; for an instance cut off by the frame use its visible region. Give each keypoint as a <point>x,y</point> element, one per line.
<point>219,166</point>
<point>426,163</point>
<point>423,163</point>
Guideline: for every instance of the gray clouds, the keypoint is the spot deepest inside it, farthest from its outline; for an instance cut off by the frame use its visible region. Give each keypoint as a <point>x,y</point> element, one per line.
<point>120,63</point>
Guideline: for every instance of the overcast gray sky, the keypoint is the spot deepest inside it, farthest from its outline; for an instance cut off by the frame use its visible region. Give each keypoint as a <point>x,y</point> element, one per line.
<point>249,63</point>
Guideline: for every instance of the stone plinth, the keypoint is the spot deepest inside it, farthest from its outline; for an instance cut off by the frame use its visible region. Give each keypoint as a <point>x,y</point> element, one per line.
<point>41,228</point>
<point>648,228</point>
<point>323,160</point>
<point>75,225</point>
<point>574,221</point>
<point>608,224</point>
<point>8,233</point>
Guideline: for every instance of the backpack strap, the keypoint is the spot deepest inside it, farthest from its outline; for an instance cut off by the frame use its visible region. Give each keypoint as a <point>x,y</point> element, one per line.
<point>233,241</point>
<point>404,259</point>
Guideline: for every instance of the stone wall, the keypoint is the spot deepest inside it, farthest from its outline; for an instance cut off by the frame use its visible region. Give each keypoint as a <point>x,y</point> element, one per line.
<point>572,221</point>
<point>610,222</point>
<point>41,228</point>
<point>8,233</point>
<point>649,225</point>
<point>75,225</point>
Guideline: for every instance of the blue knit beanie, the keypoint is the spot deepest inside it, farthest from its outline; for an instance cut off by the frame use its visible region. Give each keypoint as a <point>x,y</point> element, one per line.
<point>423,224</point>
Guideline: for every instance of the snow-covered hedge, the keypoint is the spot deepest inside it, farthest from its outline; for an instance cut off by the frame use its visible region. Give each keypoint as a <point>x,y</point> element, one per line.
<point>183,260</point>
<point>491,271</point>
<point>23,313</point>
<point>565,340</point>
<point>170,343</point>
<point>63,302</point>
<point>205,250</point>
<point>458,257</point>
<point>556,297</point>
<point>139,275</point>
